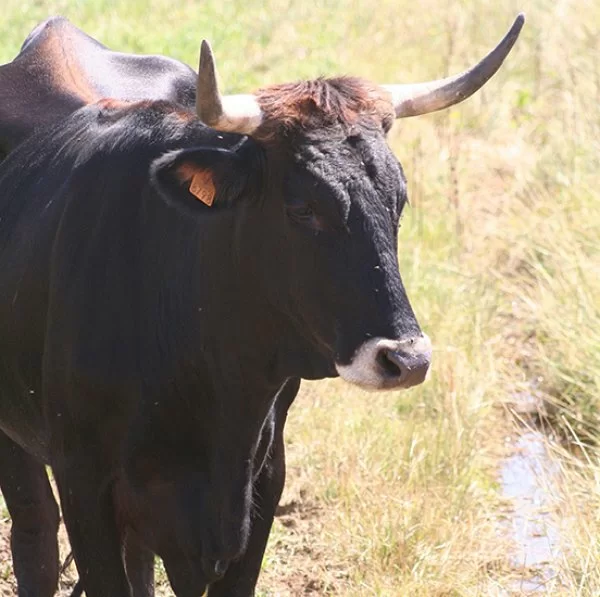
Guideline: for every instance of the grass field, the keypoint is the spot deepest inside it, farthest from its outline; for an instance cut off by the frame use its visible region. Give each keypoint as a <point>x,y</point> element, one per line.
<point>398,494</point>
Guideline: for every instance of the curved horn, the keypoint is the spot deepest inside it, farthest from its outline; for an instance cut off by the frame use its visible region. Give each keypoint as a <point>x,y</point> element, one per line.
<point>422,98</point>
<point>231,113</point>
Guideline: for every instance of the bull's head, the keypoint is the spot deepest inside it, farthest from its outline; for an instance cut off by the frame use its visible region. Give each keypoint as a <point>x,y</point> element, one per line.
<point>335,196</point>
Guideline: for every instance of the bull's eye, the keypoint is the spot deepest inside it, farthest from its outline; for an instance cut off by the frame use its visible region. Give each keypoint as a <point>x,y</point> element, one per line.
<point>301,213</point>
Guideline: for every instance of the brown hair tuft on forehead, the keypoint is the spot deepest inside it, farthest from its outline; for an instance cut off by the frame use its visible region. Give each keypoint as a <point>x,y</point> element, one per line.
<point>320,103</point>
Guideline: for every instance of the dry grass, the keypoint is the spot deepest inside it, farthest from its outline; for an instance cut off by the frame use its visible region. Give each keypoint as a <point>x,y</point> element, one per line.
<point>397,494</point>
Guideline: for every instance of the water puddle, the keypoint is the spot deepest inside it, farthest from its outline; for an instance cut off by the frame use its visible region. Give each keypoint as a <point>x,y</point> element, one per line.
<point>527,481</point>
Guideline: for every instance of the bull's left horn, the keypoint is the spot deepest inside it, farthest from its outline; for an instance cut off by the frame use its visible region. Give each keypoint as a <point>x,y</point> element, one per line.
<point>422,98</point>
<point>231,113</point>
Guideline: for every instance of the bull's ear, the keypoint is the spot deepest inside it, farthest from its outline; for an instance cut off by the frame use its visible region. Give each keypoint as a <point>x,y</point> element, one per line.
<point>202,177</point>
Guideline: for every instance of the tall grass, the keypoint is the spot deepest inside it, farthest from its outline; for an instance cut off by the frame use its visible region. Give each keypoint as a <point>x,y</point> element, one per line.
<point>397,494</point>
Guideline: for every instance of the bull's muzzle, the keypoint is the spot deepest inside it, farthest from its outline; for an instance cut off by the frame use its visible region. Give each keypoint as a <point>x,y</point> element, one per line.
<point>384,364</point>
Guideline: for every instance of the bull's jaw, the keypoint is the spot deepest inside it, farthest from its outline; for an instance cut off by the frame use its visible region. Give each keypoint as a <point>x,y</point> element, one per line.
<point>384,364</point>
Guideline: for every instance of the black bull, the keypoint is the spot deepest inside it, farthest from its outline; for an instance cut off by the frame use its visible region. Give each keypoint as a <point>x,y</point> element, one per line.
<point>151,344</point>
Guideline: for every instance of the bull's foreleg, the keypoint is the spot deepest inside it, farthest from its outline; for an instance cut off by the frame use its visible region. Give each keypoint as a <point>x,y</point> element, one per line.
<point>35,519</point>
<point>241,576</point>
<point>88,513</point>
<point>139,561</point>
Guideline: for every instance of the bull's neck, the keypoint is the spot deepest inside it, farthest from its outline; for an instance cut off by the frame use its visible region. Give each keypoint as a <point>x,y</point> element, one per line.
<point>197,312</point>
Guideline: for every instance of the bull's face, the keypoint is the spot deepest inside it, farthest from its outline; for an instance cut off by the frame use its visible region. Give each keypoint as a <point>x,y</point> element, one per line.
<point>341,201</point>
<point>316,212</point>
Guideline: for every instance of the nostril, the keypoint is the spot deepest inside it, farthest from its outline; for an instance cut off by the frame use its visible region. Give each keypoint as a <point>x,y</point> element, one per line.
<point>390,362</point>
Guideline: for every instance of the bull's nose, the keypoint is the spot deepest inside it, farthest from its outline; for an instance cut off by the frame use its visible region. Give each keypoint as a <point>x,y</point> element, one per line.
<point>385,364</point>
<point>407,362</point>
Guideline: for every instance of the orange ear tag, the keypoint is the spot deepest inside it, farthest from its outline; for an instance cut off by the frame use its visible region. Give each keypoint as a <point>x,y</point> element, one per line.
<point>202,187</point>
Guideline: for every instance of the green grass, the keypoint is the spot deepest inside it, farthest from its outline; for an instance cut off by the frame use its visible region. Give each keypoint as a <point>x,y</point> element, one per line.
<point>397,494</point>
